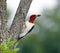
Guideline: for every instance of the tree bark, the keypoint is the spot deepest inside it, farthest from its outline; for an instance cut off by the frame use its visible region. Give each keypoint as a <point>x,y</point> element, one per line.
<point>3,21</point>
<point>19,19</point>
<point>18,22</point>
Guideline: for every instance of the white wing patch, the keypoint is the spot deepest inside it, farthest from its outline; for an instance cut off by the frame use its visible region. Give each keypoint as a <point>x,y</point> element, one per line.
<point>28,27</point>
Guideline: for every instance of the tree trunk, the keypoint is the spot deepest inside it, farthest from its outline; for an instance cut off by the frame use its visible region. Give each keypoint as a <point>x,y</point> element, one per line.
<point>19,18</point>
<point>17,23</point>
<point>3,21</point>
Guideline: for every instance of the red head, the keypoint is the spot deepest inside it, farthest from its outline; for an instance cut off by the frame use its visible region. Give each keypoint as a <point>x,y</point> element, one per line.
<point>33,17</point>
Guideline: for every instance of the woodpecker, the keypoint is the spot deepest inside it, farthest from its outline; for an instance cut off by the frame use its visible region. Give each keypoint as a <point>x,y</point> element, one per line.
<point>29,25</point>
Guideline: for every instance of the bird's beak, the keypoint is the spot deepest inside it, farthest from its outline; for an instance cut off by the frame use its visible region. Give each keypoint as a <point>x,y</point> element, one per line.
<point>38,15</point>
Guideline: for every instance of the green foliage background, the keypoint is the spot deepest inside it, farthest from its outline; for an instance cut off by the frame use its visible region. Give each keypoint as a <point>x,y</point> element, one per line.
<point>45,38</point>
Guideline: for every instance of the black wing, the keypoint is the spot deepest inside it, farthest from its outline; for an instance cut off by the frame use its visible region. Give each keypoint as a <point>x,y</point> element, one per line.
<point>27,32</point>
<point>30,29</point>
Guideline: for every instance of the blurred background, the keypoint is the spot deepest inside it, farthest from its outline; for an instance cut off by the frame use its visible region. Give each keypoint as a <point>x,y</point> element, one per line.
<point>45,37</point>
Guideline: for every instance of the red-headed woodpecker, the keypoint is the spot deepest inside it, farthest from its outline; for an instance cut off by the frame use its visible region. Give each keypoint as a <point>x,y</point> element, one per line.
<point>29,25</point>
